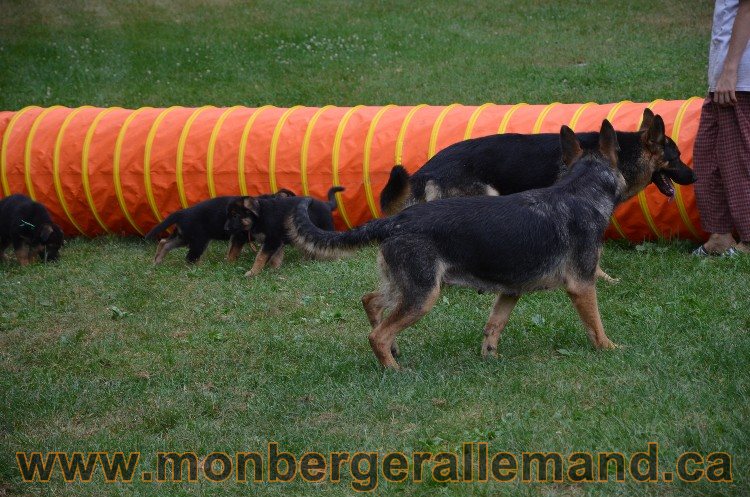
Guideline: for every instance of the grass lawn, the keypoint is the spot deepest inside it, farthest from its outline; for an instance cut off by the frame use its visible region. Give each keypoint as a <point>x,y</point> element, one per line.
<point>105,352</point>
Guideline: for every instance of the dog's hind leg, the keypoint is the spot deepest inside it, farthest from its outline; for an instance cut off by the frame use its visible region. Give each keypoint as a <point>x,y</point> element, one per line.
<point>383,336</point>
<point>584,299</point>
<point>374,308</point>
<point>501,310</point>
<point>277,258</point>
<point>166,245</point>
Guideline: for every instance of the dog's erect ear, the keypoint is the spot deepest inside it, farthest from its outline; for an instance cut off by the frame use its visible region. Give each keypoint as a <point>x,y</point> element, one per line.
<point>251,204</point>
<point>285,193</point>
<point>571,147</point>
<point>45,232</point>
<point>648,118</point>
<point>655,137</point>
<point>608,144</point>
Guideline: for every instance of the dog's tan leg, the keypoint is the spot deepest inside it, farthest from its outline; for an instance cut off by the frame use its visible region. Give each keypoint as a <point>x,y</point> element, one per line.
<point>234,252</point>
<point>260,262</point>
<point>22,255</point>
<point>601,274</point>
<point>374,308</point>
<point>3,248</point>
<point>35,253</point>
<point>501,310</point>
<point>277,258</point>
<point>383,336</point>
<point>585,302</point>
<point>165,245</point>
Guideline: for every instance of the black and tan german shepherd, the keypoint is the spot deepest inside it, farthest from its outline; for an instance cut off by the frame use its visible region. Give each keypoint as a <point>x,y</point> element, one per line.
<point>197,225</point>
<point>27,226</point>
<point>534,240</point>
<point>266,219</point>
<point>511,163</point>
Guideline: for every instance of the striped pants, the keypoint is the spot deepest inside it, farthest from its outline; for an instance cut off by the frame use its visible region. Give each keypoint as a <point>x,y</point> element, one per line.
<point>721,159</point>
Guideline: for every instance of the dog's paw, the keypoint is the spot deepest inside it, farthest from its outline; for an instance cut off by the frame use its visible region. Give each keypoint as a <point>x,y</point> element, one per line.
<point>609,345</point>
<point>251,273</point>
<point>489,353</point>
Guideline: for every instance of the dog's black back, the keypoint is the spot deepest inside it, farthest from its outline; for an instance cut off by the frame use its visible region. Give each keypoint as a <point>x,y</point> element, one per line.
<point>513,243</point>
<point>511,163</point>
<point>27,226</point>
<point>212,219</point>
<point>204,220</point>
<point>269,217</point>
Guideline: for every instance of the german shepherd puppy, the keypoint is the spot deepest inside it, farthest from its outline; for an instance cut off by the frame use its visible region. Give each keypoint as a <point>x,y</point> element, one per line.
<point>267,219</point>
<point>535,240</point>
<point>511,163</point>
<point>205,221</point>
<point>29,228</point>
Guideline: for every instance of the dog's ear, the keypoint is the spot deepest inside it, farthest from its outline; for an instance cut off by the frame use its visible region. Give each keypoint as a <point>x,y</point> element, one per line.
<point>571,147</point>
<point>648,118</point>
<point>251,204</point>
<point>608,144</point>
<point>285,193</point>
<point>45,232</point>
<point>655,136</point>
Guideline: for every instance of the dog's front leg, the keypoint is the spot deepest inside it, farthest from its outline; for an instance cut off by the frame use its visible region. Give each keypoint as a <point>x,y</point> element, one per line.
<point>260,262</point>
<point>501,310</point>
<point>584,299</point>
<point>22,253</point>
<point>3,247</point>
<point>277,258</point>
<point>236,242</point>
<point>601,274</point>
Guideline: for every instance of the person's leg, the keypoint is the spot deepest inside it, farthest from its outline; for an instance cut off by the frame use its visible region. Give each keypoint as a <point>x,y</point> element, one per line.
<point>735,166</point>
<point>709,189</point>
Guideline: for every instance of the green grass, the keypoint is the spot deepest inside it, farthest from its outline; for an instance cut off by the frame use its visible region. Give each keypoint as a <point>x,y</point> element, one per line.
<point>103,351</point>
<point>136,53</point>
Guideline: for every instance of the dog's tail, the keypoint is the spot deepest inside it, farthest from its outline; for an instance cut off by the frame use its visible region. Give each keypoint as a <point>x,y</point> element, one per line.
<point>332,196</point>
<point>169,221</point>
<point>396,191</point>
<point>329,244</point>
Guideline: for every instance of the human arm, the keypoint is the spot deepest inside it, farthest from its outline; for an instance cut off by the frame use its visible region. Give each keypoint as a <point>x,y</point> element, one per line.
<point>727,82</point>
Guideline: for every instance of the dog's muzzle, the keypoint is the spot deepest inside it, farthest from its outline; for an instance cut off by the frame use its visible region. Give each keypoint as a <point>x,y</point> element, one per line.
<point>678,172</point>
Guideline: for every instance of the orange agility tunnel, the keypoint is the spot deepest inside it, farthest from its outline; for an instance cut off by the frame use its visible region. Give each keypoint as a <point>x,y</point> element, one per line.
<point>121,171</point>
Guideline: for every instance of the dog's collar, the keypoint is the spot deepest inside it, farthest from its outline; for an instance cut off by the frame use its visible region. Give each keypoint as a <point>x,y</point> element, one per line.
<point>26,223</point>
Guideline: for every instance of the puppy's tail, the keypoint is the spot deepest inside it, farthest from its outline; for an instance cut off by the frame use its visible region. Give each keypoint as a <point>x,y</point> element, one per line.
<point>396,191</point>
<point>332,196</point>
<point>169,221</point>
<point>329,244</point>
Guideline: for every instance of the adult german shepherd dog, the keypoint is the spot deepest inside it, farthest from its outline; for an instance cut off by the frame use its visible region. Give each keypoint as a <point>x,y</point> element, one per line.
<point>535,240</point>
<point>511,163</point>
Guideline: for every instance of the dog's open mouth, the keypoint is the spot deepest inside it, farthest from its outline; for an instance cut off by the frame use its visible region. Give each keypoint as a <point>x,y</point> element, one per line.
<point>663,183</point>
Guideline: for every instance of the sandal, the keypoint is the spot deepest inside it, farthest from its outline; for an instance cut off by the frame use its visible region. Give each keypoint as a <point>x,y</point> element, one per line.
<point>702,252</point>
